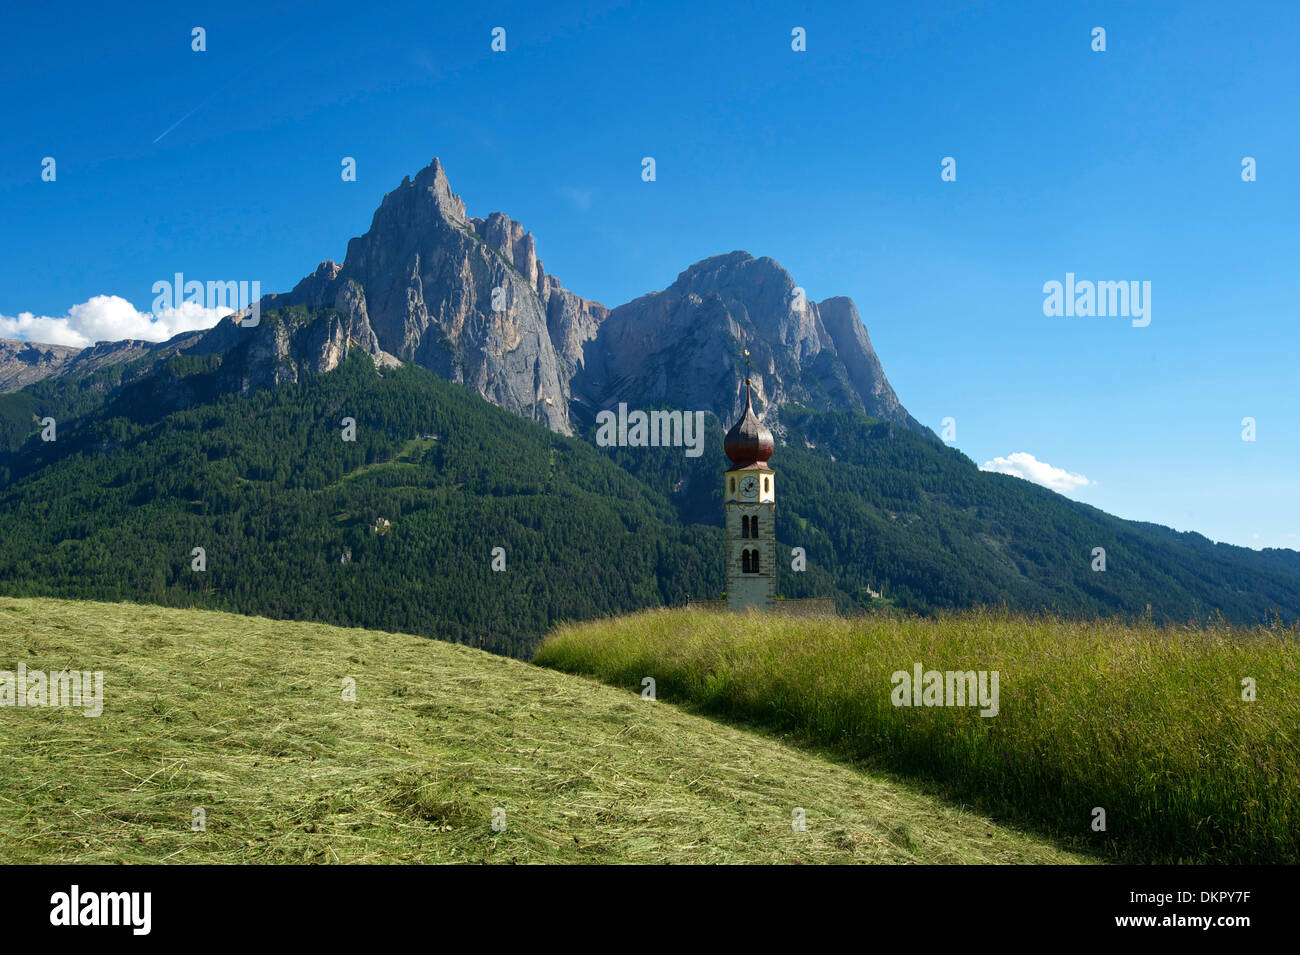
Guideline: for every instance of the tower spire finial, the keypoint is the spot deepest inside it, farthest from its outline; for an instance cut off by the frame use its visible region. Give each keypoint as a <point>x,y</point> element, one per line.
<point>748,443</point>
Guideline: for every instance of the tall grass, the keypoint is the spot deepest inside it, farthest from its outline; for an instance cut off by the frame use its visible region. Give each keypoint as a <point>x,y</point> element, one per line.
<point>1146,723</point>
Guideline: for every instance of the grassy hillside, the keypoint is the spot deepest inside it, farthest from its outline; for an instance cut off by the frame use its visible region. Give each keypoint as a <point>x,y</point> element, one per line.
<point>245,718</point>
<point>1146,723</point>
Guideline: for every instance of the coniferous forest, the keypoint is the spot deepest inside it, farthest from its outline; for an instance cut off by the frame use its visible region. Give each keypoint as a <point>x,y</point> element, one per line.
<point>449,517</point>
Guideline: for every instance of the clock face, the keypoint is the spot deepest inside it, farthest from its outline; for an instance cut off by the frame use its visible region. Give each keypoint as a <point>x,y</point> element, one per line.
<point>749,487</point>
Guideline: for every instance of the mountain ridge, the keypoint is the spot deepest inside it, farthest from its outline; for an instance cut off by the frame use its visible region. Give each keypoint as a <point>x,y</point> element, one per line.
<point>469,299</point>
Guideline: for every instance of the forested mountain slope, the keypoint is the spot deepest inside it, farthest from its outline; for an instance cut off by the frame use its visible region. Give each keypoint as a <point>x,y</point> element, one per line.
<point>156,458</point>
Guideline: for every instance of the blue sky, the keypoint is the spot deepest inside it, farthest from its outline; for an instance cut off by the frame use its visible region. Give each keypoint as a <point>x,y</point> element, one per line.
<point>1122,165</point>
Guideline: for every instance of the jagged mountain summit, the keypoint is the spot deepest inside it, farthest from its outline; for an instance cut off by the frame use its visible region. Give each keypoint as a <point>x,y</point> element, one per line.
<point>679,347</point>
<point>469,299</point>
<point>466,298</point>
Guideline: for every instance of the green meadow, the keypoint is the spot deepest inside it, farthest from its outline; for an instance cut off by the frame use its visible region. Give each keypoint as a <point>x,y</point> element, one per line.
<point>1147,723</point>
<point>242,724</point>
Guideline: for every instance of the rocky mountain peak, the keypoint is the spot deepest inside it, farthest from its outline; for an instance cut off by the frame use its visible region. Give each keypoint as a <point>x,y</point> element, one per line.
<point>432,181</point>
<point>508,237</point>
<point>465,298</point>
<point>761,293</point>
<point>684,347</point>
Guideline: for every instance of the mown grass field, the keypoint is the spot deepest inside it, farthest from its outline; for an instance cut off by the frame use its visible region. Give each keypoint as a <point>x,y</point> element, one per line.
<point>1147,723</point>
<point>244,717</point>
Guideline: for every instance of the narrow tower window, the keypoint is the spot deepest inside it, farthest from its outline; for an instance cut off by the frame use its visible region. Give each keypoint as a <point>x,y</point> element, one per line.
<point>753,563</point>
<point>744,561</point>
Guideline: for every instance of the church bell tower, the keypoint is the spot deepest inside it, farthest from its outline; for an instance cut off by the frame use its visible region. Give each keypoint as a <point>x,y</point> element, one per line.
<point>749,494</point>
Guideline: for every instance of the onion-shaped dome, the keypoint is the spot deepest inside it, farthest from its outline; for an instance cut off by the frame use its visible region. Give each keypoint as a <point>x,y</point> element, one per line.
<point>748,443</point>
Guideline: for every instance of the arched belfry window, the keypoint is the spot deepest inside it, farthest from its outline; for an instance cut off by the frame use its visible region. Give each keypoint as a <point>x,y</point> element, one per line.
<point>767,484</point>
<point>753,526</point>
<point>733,485</point>
<point>744,561</point>
<point>753,563</point>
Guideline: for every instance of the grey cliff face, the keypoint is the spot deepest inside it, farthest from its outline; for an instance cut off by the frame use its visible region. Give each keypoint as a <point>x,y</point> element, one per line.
<point>466,298</point>
<point>23,363</point>
<point>571,321</point>
<point>462,297</point>
<point>684,347</point>
<point>843,323</point>
<point>283,345</point>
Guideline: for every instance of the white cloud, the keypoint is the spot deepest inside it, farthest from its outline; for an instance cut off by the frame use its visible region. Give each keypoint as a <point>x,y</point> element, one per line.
<point>109,318</point>
<point>1024,465</point>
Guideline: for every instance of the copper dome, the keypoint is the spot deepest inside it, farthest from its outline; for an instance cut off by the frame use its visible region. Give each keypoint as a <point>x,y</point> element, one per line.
<point>748,443</point>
